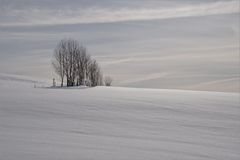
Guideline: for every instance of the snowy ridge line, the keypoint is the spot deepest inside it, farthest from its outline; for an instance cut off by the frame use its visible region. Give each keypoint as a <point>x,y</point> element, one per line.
<point>18,78</point>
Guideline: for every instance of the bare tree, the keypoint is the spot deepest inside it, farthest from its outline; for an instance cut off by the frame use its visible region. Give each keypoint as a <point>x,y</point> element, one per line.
<point>95,75</point>
<point>71,49</point>
<point>58,61</point>
<point>108,81</point>
<point>83,63</point>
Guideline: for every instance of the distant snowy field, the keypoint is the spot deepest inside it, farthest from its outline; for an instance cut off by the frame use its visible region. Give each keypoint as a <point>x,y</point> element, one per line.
<point>111,123</point>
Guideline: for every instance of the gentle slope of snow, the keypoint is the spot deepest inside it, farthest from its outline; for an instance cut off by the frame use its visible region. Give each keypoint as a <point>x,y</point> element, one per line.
<point>117,123</point>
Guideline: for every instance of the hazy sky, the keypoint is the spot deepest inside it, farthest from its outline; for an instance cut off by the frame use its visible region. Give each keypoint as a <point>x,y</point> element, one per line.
<point>183,44</point>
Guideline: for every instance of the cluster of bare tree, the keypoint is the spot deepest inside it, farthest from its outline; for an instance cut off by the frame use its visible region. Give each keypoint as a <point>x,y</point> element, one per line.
<point>71,61</point>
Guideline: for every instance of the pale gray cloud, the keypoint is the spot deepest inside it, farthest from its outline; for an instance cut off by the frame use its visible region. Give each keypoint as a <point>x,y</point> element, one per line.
<point>33,16</point>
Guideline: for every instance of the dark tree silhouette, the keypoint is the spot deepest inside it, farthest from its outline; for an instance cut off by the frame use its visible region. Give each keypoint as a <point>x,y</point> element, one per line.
<point>71,60</point>
<point>58,60</point>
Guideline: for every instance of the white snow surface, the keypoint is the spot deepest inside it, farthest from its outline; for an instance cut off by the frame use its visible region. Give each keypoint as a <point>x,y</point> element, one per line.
<point>113,123</point>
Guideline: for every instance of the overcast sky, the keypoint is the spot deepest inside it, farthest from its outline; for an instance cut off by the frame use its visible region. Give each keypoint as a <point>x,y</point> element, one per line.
<point>182,44</point>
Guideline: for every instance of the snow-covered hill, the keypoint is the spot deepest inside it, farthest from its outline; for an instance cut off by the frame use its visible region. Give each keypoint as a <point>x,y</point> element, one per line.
<point>106,123</point>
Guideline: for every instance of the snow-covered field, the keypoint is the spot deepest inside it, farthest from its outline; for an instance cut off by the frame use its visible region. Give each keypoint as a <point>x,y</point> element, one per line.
<point>111,123</point>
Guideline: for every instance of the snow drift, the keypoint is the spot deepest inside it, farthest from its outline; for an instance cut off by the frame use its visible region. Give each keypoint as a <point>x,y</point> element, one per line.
<point>117,123</point>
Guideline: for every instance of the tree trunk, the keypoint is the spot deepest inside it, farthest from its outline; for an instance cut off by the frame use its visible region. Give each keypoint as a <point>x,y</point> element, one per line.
<point>62,82</point>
